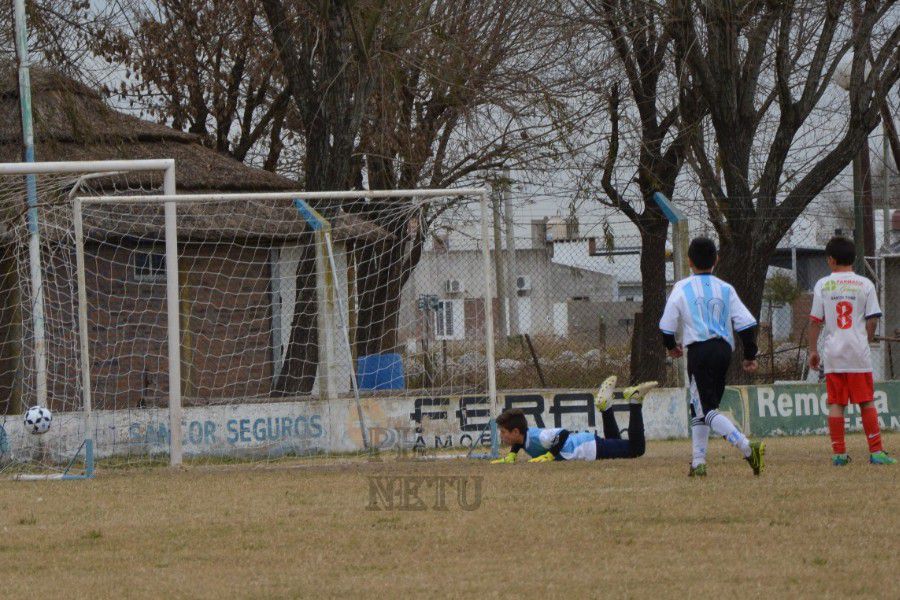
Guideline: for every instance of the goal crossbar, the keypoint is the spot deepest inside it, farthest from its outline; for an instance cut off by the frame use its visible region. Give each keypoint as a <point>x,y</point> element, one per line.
<point>87,166</point>
<point>227,197</point>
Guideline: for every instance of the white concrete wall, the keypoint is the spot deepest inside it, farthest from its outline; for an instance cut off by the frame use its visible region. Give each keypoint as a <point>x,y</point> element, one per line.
<point>285,288</point>
<point>274,429</point>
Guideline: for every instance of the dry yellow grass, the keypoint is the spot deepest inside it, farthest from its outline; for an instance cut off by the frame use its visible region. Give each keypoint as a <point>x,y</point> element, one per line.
<point>614,528</point>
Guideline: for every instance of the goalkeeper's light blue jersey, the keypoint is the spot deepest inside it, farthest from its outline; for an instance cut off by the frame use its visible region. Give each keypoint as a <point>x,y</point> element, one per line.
<point>578,446</point>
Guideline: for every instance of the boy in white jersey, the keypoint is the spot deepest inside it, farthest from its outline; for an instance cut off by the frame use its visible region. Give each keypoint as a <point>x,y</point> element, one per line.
<point>554,444</point>
<point>707,309</point>
<point>847,305</point>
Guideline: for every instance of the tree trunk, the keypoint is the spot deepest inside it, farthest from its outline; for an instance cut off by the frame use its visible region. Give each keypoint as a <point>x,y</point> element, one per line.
<point>301,359</point>
<point>648,361</point>
<point>383,271</point>
<point>743,262</point>
<point>376,325</point>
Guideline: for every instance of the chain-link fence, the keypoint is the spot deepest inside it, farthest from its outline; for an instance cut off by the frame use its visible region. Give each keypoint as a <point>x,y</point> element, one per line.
<point>565,299</point>
<point>569,295</point>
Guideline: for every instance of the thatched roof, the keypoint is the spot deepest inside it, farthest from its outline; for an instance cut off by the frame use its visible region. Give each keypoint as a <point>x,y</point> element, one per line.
<point>72,122</point>
<point>216,221</point>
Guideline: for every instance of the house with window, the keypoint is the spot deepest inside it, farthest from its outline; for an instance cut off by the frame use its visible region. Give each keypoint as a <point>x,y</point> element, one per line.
<point>444,297</point>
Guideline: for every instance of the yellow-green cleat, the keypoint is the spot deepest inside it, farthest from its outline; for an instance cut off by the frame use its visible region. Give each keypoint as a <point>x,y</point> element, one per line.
<point>605,393</point>
<point>698,471</point>
<point>881,458</point>
<point>757,456</point>
<point>637,392</point>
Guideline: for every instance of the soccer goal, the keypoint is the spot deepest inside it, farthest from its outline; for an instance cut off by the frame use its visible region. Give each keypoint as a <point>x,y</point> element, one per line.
<point>258,326</point>
<point>43,359</point>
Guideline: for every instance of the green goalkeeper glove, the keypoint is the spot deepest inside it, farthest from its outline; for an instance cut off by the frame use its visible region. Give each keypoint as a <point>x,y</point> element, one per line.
<point>544,458</point>
<point>509,458</point>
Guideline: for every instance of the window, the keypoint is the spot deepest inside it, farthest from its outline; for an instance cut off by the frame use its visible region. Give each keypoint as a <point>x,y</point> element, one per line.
<point>148,266</point>
<point>443,316</point>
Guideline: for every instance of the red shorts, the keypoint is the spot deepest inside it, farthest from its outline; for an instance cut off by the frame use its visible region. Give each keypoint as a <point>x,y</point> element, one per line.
<point>855,387</point>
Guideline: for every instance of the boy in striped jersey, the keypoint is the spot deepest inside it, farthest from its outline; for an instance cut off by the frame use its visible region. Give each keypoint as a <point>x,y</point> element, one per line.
<point>846,305</point>
<point>710,311</point>
<point>553,444</point>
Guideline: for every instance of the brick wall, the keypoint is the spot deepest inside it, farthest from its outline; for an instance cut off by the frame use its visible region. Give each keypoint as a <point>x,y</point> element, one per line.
<point>226,321</point>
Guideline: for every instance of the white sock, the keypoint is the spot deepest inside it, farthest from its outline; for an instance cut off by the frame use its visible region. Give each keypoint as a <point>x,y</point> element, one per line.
<point>699,439</point>
<point>724,427</point>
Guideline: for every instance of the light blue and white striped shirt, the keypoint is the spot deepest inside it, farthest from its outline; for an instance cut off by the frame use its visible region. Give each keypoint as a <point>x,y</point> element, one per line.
<point>707,308</point>
<point>581,445</point>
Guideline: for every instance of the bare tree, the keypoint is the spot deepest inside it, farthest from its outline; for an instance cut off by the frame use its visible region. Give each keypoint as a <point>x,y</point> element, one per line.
<point>57,32</point>
<point>205,66</point>
<point>464,88</point>
<point>781,133</point>
<point>654,133</point>
<point>406,94</point>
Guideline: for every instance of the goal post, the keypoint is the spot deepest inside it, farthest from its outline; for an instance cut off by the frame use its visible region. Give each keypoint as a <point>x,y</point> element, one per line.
<point>40,324</point>
<point>283,302</point>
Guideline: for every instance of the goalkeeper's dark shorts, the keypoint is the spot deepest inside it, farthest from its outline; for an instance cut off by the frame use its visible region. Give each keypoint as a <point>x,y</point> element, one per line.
<point>611,445</point>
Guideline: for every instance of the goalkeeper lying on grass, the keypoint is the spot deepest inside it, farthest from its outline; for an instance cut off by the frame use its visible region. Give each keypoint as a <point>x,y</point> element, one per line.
<point>546,445</point>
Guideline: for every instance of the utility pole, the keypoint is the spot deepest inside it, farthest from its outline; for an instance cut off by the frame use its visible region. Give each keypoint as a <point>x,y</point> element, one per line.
<point>34,238</point>
<point>859,221</point>
<point>863,222</point>
<point>885,193</point>
<point>498,265</point>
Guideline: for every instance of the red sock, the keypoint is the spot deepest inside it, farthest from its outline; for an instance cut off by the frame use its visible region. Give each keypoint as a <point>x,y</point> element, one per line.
<point>870,426</point>
<point>836,427</point>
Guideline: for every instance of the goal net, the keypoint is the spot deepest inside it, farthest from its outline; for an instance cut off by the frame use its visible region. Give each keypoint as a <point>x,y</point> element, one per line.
<point>40,358</point>
<point>285,325</point>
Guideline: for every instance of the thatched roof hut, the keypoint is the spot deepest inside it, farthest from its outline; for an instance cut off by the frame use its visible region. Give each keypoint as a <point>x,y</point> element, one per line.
<point>72,122</point>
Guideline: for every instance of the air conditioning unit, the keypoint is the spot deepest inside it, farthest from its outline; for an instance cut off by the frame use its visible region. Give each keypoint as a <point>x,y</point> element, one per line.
<point>453,286</point>
<point>523,283</point>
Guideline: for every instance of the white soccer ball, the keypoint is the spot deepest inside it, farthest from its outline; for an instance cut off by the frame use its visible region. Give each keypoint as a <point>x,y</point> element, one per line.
<point>37,420</point>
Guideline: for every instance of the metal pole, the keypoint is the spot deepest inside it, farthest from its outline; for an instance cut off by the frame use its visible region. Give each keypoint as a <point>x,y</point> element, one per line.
<point>344,327</point>
<point>488,307</point>
<point>794,263</point>
<point>682,269</point>
<point>92,167</point>
<point>885,194</point>
<point>306,195</point>
<point>859,265</point>
<point>498,265</point>
<point>83,339</point>
<point>325,320</point>
<point>511,267</point>
<point>34,240</point>
<point>868,206</point>
<point>680,264</point>
<point>173,308</point>
<point>885,248</point>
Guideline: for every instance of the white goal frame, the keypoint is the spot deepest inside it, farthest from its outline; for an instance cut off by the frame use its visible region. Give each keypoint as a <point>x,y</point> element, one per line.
<point>317,223</point>
<point>88,169</point>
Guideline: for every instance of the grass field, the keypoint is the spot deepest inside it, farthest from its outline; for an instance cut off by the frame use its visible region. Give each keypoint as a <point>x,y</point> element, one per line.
<point>637,528</point>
